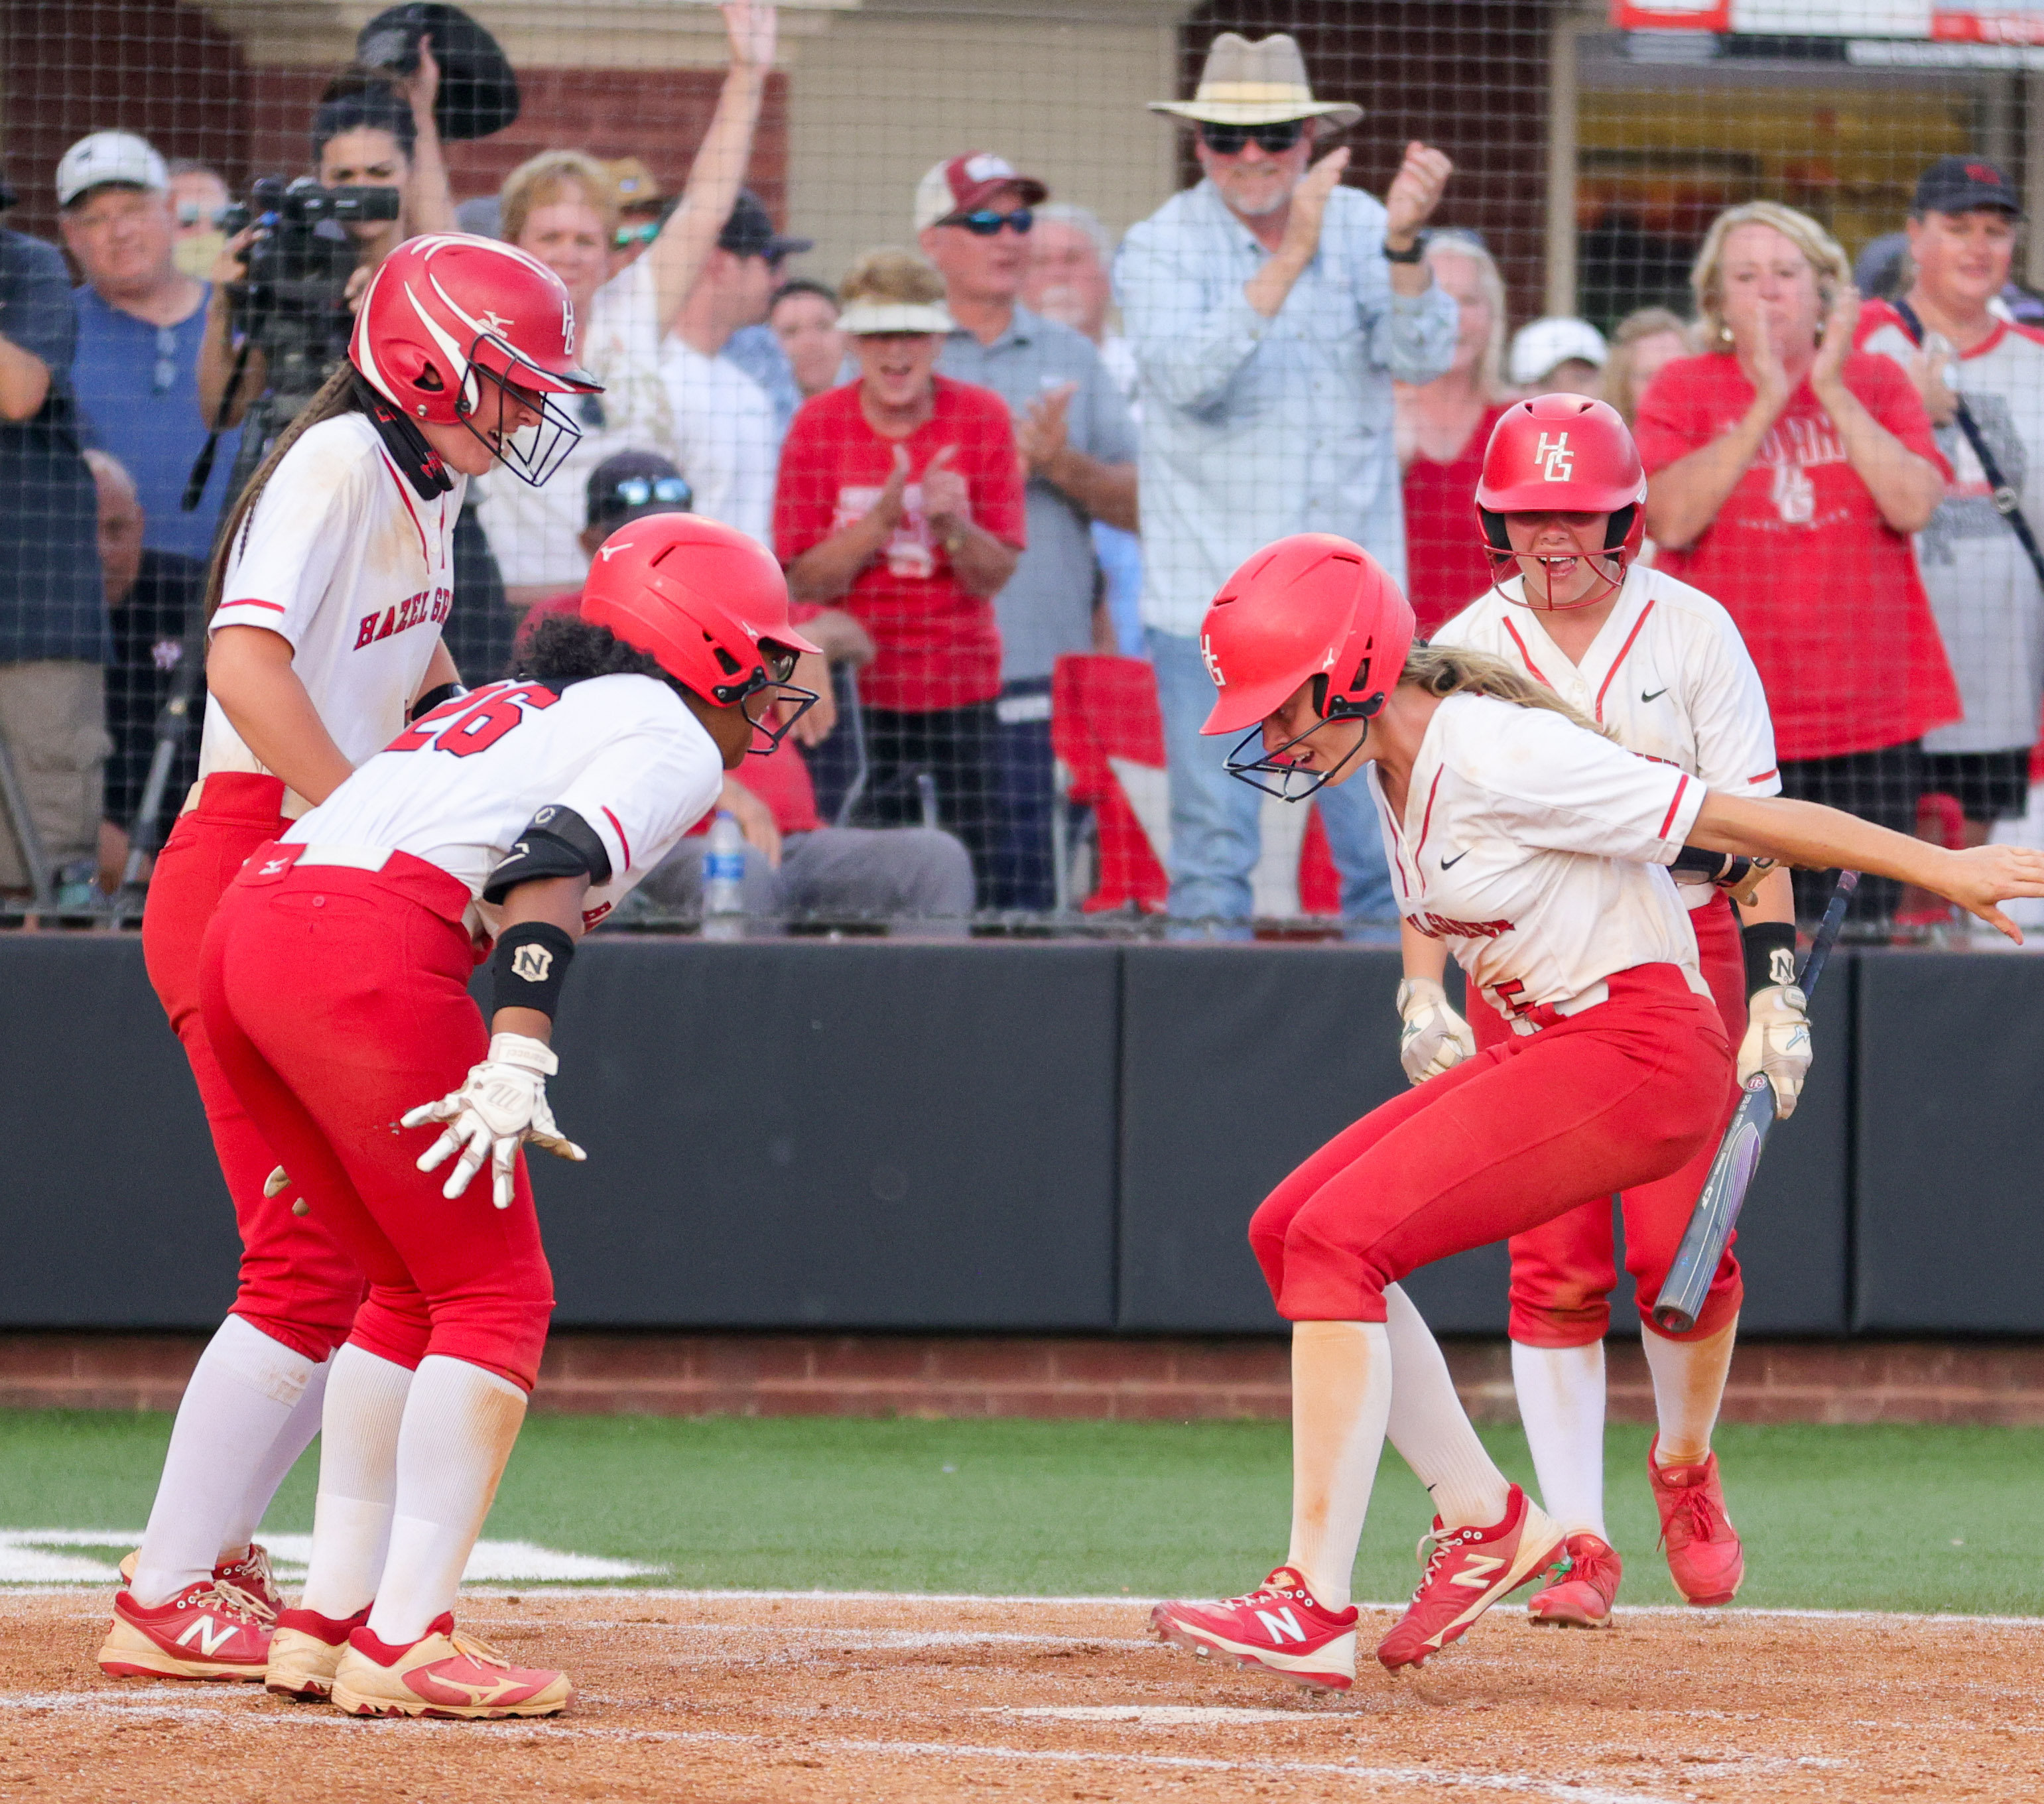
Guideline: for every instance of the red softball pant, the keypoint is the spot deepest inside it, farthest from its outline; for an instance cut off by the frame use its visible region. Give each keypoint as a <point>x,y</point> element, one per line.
<point>1562,1272</point>
<point>298,1285</point>
<point>1612,1097</point>
<point>336,999</point>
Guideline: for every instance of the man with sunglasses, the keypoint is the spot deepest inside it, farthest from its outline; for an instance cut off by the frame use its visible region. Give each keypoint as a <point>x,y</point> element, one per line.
<point>974,215</point>
<point>1269,310</point>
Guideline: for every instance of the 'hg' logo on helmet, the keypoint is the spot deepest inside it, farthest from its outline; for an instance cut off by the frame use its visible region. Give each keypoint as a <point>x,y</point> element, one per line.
<point>1557,462</point>
<point>1212,662</point>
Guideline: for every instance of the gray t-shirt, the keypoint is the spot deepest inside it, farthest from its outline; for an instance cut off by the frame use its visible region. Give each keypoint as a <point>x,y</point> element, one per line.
<point>1046,609</point>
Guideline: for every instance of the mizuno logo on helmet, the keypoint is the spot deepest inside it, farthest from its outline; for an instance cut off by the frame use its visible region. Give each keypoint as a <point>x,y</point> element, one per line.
<point>492,320</point>
<point>607,553</point>
<point>1557,462</point>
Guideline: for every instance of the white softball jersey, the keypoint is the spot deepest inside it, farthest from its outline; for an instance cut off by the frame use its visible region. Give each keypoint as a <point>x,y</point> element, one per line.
<point>1534,849</point>
<point>460,785</point>
<point>343,559</point>
<point>1667,672</point>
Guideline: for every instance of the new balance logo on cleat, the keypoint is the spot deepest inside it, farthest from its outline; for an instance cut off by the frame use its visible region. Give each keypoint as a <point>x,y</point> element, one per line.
<point>1280,1627</point>
<point>1470,1569</point>
<point>1476,1573</point>
<point>209,1636</point>
<point>1283,1623</point>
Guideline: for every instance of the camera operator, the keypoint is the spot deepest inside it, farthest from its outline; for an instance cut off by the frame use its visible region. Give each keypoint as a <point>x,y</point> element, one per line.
<point>379,134</point>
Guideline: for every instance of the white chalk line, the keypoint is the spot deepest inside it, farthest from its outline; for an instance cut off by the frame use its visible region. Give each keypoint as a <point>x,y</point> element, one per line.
<point>94,1703</point>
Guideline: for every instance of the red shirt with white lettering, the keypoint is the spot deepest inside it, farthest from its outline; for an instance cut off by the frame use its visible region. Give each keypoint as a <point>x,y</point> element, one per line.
<point>1824,592</point>
<point>939,646</point>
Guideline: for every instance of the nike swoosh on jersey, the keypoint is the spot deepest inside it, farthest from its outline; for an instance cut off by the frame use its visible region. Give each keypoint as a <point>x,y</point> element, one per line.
<point>1457,859</point>
<point>1656,696</point>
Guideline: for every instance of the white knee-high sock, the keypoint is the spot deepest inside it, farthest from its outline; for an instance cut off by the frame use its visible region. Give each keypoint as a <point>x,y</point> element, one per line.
<point>460,1421</point>
<point>1341,1399</point>
<point>1689,1385</point>
<point>1561,1401</point>
<point>272,1470</point>
<point>1431,1429</point>
<point>241,1395</point>
<point>358,1478</point>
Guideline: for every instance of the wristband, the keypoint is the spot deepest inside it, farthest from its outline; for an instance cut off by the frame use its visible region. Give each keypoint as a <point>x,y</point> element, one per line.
<point>432,698</point>
<point>1770,955</point>
<point>531,963</point>
<point>1412,253</point>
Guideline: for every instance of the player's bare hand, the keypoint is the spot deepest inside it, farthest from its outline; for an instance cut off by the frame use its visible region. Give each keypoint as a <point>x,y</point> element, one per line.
<point>1434,1038</point>
<point>501,1104</point>
<point>755,820</point>
<point>1777,1044</point>
<point>1309,207</point>
<point>946,497</point>
<point>1415,190</point>
<point>753,29</point>
<point>1983,875</point>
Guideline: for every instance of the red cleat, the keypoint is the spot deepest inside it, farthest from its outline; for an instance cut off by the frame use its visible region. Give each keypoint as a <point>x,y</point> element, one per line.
<point>1581,1597</point>
<point>442,1673</point>
<point>1470,1569</point>
<point>207,1631</point>
<point>250,1574</point>
<point>1280,1627</point>
<point>305,1652</point>
<point>1704,1552</point>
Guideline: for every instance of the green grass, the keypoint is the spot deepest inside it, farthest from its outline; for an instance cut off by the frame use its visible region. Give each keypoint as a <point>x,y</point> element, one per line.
<point>1895,1517</point>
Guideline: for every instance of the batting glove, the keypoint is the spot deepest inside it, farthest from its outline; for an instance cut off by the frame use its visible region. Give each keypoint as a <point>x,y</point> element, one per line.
<point>1435,1038</point>
<point>1777,1044</point>
<point>502,1102</point>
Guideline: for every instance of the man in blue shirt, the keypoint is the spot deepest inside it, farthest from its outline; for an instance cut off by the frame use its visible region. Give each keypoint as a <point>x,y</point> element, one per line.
<point>1269,310</point>
<point>140,323</point>
<point>973,218</point>
<point>53,631</point>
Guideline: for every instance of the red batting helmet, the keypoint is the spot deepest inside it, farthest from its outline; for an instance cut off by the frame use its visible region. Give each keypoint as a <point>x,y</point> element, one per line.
<point>1312,605</point>
<point>1563,454</point>
<point>443,311</point>
<point>703,599</point>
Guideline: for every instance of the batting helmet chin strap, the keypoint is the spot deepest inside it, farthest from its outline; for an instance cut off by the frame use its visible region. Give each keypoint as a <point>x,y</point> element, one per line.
<point>1497,547</point>
<point>423,467</point>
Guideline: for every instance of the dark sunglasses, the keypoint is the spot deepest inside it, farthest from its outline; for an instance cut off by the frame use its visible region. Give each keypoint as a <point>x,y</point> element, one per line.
<point>986,223</point>
<point>1274,140</point>
<point>635,491</point>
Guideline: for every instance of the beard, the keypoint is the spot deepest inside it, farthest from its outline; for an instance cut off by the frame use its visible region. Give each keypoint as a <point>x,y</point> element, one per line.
<point>1261,200</point>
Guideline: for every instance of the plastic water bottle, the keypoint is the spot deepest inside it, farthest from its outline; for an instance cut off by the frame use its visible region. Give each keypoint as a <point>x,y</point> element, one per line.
<point>723,880</point>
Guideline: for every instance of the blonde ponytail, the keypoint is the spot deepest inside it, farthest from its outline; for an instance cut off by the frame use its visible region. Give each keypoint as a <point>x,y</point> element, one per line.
<point>1443,670</point>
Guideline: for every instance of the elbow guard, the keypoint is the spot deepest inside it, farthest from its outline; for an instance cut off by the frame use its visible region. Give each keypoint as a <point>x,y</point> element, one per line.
<point>560,843</point>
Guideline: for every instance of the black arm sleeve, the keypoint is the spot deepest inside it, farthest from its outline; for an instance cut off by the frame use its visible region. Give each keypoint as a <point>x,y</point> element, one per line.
<point>560,843</point>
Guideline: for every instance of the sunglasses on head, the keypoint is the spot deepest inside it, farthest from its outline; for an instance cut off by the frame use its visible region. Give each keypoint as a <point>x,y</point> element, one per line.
<point>1227,140</point>
<point>635,491</point>
<point>986,223</point>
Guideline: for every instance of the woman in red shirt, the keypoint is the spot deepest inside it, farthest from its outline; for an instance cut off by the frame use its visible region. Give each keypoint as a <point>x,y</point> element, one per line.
<point>900,500</point>
<point>1443,427</point>
<point>1786,473</point>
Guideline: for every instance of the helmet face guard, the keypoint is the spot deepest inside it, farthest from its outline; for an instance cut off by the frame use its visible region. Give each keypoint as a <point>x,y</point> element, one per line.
<point>534,453</point>
<point>1296,781</point>
<point>1607,561</point>
<point>772,680</point>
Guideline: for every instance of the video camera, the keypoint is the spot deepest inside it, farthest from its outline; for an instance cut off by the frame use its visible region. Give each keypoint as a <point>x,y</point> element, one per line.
<point>292,303</point>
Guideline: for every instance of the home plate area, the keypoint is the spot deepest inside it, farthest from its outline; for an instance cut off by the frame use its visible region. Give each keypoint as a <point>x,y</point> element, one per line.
<point>762,1696</point>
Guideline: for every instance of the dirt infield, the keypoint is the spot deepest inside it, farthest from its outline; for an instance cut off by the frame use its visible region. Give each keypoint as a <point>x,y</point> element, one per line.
<point>763,1697</point>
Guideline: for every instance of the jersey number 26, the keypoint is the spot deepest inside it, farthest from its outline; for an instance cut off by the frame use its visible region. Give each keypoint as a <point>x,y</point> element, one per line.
<point>469,723</point>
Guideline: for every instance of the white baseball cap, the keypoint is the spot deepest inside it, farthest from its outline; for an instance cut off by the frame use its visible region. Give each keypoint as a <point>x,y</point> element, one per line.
<point>1539,348</point>
<point>109,156</point>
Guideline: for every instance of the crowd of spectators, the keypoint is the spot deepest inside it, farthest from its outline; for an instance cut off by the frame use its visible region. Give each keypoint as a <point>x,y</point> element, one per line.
<point>1005,441</point>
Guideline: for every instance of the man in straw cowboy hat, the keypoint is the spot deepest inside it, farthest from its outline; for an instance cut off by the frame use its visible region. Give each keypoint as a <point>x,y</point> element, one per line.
<point>1269,309</point>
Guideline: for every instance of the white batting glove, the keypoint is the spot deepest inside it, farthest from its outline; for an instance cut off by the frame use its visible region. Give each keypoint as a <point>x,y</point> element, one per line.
<point>1777,1044</point>
<point>1435,1038</point>
<point>502,1102</point>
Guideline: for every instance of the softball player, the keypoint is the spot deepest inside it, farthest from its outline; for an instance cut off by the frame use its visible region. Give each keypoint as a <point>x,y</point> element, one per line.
<point>334,990</point>
<point>1660,666</point>
<point>329,590</point>
<point>1528,842</point>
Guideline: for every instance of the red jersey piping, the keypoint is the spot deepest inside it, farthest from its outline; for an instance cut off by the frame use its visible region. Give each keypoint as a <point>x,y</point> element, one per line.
<point>1667,819</point>
<point>1426,819</point>
<point>1526,655</point>
<point>250,601</point>
<point>418,525</point>
<point>1620,659</point>
<point>617,827</point>
<point>1764,775</point>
